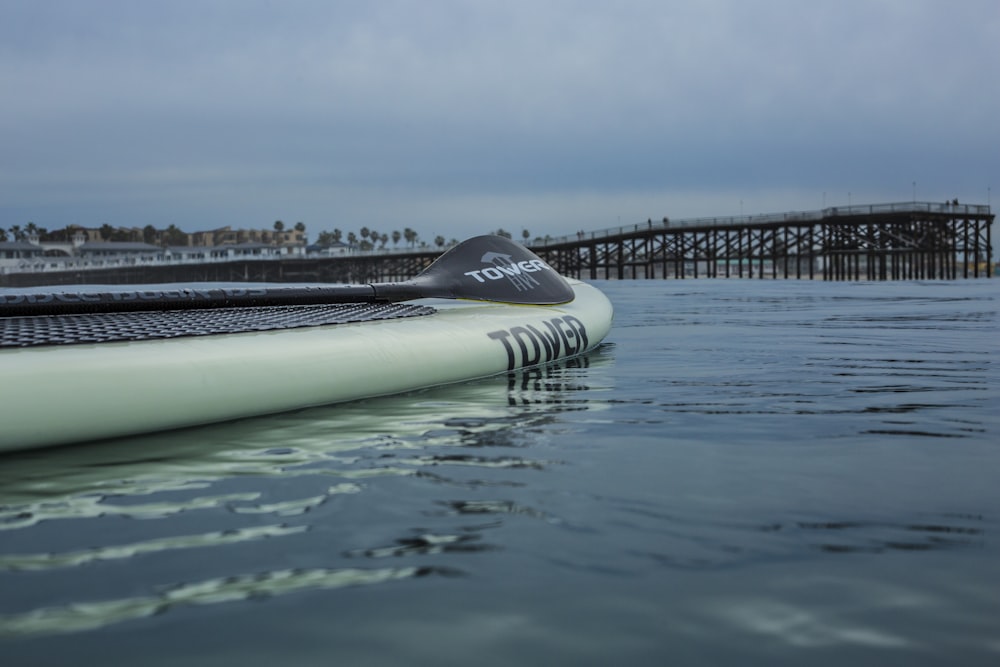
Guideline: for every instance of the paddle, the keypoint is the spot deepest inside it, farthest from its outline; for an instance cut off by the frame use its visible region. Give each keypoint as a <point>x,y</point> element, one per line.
<point>483,268</point>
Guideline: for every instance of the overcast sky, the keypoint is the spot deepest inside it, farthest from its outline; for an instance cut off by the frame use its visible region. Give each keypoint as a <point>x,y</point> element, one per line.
<point>460,117</point>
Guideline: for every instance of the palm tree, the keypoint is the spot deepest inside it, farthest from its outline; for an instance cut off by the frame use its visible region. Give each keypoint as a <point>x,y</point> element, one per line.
<point>525,234</point>
<point>364,232</point>
<point>410,236</point>
<point>173,236</point>
<point>395,237</point>
<point>337,235</point>
<point>15,232</point>
<point>439,241</point>
<point>3,235</point>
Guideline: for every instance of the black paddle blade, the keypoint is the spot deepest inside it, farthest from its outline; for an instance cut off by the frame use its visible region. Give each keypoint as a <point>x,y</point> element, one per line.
<point>484,268</point>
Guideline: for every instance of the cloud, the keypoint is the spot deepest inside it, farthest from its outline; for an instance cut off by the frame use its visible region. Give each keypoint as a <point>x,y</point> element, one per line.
<point>227,112</point>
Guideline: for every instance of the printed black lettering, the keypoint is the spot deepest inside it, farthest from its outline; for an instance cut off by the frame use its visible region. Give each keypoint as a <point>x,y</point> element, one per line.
<point>554,323</point>
<point>554,337</point>
<point>581,332</point>
<point>545,341</point>
<point>519,334</point>
<point>567,333</point>
<point>560,336</point>
<point>502,336</point>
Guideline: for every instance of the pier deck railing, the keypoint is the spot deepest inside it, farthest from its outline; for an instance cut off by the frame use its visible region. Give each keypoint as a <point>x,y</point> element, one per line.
<point>855,211</point>
<point>898,241</point>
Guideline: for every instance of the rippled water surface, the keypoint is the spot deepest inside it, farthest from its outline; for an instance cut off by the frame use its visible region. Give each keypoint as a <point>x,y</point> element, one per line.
<point>744,473</point>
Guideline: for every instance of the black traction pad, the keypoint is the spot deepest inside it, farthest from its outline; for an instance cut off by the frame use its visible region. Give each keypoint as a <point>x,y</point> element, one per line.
<point>109,327</point>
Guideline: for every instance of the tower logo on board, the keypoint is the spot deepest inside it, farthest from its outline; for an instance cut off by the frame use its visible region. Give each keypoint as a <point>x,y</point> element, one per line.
<point>502,266</point>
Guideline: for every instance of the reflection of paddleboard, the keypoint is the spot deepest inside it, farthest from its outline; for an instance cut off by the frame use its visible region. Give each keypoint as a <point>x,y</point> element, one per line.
<point>79,373</point>
<point>388,436</point>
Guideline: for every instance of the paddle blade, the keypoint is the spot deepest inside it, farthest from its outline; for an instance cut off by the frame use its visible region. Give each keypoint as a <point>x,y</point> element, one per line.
<point>485,268</point>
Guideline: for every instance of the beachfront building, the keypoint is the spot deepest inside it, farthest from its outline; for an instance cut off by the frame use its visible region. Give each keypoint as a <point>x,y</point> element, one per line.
<point>20,255</point>
<point>78,248</point>
<point>335,249</point>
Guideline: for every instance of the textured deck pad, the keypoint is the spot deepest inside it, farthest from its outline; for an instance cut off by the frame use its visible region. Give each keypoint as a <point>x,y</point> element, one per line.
<point>108,327</point>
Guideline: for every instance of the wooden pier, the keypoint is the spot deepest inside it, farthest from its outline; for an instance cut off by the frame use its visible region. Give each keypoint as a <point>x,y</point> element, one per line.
<point>908,241</point>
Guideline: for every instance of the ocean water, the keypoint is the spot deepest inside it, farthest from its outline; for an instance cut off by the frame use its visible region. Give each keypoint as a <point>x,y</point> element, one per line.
<point>745,472</point>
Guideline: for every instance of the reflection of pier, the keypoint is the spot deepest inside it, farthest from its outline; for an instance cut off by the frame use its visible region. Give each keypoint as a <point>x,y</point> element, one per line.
<point>911,241</point>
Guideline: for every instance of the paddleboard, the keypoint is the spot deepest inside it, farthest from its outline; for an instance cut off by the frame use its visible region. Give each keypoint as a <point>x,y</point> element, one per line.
<point>84,376</point>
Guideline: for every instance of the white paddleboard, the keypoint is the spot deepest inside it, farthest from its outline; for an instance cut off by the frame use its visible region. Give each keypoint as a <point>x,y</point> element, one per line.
<point>67,390</point>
